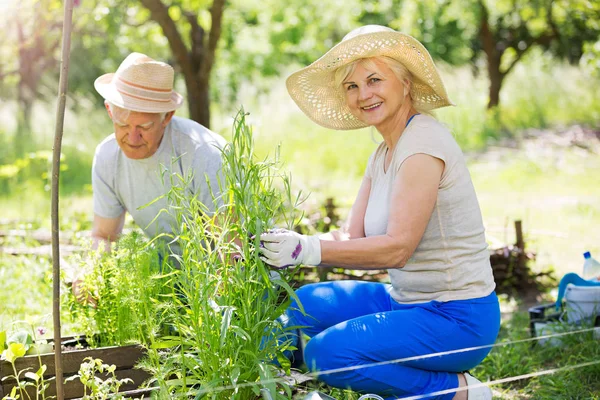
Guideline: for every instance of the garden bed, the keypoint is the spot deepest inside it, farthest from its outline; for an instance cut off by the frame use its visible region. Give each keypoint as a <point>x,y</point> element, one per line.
<point>123,357</point>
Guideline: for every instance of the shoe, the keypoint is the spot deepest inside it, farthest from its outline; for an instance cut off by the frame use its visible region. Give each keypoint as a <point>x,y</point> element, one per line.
<point>477,390</point>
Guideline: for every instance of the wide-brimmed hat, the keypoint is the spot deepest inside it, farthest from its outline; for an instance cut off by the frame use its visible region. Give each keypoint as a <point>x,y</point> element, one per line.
<point>313,88</point>
<point>140,84</point>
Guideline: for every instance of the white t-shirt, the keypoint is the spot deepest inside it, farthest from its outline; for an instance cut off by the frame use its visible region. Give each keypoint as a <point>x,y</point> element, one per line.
<point>451,262</point>
<point>187,150</point>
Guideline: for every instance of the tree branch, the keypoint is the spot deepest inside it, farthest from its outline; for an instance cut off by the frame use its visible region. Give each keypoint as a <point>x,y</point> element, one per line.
<point>160,13</point>
<point>550,20</point>
<point>485,33</point>
<point>543,40</point>
<point>137,25</point>
<point>216,13</point>
<point>197,37</point>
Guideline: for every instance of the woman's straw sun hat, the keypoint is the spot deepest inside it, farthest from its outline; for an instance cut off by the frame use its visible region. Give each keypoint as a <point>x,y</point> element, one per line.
<point>313,88</point>
<point>140,84</point>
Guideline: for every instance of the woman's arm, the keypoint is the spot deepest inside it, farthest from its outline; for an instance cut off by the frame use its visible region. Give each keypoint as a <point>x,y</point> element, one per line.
<point>413,199</point>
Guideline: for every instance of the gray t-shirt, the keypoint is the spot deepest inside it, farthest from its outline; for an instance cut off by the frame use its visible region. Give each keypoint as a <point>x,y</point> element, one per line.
<point>451,262</point>
<point>187,150</point>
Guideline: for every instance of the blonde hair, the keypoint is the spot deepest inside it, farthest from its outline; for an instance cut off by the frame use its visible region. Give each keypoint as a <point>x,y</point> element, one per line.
<point>400,71</point>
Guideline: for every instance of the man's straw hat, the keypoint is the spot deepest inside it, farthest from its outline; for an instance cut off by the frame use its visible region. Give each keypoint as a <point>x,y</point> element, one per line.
<point>313,88</point>
<point>140,84</point>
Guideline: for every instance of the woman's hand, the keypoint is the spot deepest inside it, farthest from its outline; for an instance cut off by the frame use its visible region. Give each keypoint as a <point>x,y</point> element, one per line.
<point>281,248</point>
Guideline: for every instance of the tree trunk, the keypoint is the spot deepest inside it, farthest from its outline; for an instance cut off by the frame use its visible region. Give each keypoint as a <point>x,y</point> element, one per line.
<point>23,139</point>
<point>493,52</point>
<point>198,110</point>
<point>496,79</point>
<point>203,108</point>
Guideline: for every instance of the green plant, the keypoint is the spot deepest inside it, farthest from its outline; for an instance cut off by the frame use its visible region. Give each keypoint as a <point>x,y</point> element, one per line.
<point>94,387</point>
<point>127,286</point>
<point>15,346</point>
<point>226,332</point>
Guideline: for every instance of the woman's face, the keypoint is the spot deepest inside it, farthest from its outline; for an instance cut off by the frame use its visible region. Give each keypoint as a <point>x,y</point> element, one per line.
<point>374,94</point>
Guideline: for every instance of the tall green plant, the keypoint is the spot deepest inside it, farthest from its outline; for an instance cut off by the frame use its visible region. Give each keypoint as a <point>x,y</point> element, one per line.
<point>228,331</point>
<point>129,294</point>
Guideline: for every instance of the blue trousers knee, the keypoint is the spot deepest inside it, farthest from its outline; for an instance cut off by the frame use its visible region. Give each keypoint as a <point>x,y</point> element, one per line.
<point>353,325</point>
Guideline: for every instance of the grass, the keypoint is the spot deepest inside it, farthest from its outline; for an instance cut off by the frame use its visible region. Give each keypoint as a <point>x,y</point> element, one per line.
<point>572,380</point>
<point>554,190</point>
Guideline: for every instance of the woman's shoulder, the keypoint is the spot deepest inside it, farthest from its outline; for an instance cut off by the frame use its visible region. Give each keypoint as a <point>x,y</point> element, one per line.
<point>425,128</point>
<point>429,123</point>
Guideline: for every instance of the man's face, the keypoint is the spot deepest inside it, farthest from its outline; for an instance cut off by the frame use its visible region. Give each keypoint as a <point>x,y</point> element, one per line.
<point>138,134</point>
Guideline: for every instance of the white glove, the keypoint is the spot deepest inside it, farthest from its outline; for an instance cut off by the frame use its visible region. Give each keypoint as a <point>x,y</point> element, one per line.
<point>281,248</point>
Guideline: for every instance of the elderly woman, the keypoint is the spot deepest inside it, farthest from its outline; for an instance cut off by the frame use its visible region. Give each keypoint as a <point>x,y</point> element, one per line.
<point>416,214</point>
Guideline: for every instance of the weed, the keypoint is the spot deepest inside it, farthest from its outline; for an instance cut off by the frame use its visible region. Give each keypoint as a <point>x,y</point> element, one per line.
<point>14,347</point>
<point>96,388</point>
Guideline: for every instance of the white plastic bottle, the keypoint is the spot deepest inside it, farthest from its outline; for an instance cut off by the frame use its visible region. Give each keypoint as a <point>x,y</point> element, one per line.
<point>591,267</point>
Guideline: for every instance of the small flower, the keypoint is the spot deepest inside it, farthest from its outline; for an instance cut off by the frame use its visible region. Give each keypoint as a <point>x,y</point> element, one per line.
<point>41,331</point>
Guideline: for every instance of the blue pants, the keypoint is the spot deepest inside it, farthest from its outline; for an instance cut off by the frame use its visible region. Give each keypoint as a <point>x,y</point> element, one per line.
<point>352,324</point>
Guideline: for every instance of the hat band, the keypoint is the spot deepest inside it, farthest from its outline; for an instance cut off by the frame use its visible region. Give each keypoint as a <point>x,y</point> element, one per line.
<point>142,92</point>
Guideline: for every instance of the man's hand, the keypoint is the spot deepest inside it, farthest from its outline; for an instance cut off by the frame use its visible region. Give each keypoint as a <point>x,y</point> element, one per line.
<point>281,248</point>
<point>82,294</point>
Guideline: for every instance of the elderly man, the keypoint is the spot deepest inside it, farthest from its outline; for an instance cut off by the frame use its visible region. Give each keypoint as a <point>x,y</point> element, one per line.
<point>129,165</point>
<point>133,167</point>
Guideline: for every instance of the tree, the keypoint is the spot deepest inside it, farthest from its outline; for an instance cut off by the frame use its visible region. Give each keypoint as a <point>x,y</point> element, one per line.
<point>195,60</point>
<point>34,37</point>
<point>507,32</point>
<point>503,31</point>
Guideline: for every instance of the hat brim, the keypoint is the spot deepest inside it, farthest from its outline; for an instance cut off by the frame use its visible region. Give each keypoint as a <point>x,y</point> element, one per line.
<point>104,85</point>
<point>314,91</point>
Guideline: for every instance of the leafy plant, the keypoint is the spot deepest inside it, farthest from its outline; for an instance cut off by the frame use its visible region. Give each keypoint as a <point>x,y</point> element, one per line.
<point>208,313</point>
<point>227,329</point>
<point>127,286</point>
<point>14,347</point>
<point>94,387</point>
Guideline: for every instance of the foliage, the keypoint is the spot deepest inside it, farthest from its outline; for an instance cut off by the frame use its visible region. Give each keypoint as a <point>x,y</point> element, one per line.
<point>570,355</point>
<point>94,387</point>
<point>29,57</point>
<point>591,57</point>
<point>15,346</point>
<point>227,331</point>
<point>126,285</point>
<point>17,274</point>
<point>202,297</point>
<point>259,39</point>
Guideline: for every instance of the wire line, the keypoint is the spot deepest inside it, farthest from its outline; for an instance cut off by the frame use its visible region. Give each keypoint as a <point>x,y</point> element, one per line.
<point>315,375</point>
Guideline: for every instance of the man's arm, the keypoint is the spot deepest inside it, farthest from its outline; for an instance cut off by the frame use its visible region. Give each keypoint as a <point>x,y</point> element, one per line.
<point>106,230</point>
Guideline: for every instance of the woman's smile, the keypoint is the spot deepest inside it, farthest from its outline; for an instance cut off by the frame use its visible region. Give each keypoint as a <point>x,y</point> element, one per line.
<point>372,106</point>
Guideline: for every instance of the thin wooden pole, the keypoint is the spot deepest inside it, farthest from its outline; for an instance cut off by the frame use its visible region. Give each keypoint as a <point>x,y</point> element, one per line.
<point>58,133</point>
<point>521,257</point>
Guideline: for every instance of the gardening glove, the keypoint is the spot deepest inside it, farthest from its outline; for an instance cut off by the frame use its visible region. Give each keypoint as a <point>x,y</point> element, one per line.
<point>281,248</point>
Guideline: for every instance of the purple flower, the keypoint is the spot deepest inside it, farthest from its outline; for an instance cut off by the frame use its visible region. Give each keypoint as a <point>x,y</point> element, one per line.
<point>41,331</point>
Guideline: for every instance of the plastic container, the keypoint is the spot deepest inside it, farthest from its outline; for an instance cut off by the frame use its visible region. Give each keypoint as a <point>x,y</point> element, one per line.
<point>582,304</point>
<point>543,320</point>
<point>591,267</point>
